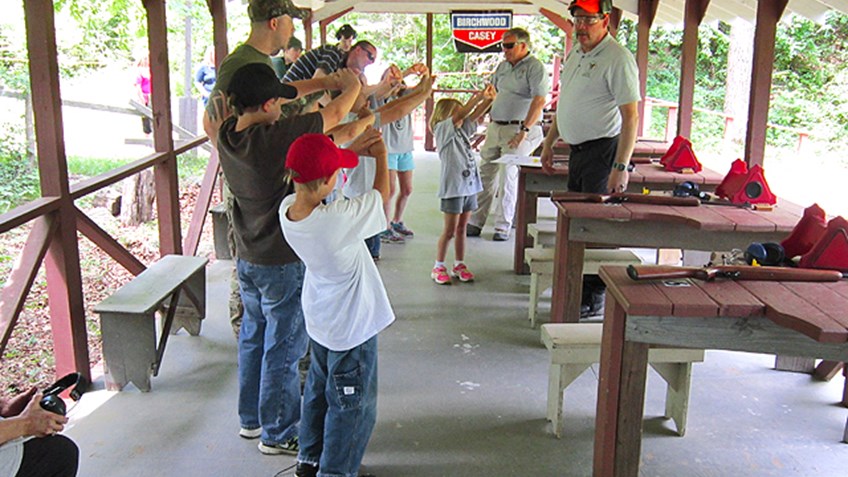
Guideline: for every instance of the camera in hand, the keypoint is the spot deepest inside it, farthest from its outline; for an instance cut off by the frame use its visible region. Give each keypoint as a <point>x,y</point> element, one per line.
<point>51,401</point>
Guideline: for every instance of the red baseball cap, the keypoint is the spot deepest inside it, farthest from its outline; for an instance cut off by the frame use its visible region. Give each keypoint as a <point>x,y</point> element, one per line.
<point>316,156</point>
<point>590,6</point>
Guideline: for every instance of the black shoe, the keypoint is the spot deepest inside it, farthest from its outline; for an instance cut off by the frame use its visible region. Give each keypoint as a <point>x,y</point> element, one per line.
<point>593,306</point>
<point>500,237</point>
<point>306,470</point>
<point>472,230</point>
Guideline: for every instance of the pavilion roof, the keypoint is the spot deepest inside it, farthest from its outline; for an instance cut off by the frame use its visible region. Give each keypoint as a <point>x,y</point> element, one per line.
<point>668,12</point>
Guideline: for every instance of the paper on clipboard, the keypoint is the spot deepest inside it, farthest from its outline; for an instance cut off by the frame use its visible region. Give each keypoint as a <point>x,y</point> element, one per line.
<point>516,160</point>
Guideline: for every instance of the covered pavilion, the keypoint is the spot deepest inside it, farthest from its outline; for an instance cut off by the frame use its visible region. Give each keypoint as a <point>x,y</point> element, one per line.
<point>56,221</point>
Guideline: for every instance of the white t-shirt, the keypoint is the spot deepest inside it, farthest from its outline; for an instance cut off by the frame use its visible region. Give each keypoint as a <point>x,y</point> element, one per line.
<point>592,87</point>
<point>11,455</point>
<point>344,301</point>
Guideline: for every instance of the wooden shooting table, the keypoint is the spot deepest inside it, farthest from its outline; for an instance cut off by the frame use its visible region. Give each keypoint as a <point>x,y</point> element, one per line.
<point>706,228</point>
<point>796,318</point>
<point>533,183</point>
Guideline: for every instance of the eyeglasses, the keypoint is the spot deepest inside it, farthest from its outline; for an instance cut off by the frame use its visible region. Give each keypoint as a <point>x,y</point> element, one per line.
<point>368,54</point>
<point>509,46</point>
<point>586,19</point>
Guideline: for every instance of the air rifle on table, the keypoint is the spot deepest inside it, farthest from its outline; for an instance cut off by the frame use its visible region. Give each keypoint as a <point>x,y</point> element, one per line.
<point>625,197</point>
<point>734,272</point>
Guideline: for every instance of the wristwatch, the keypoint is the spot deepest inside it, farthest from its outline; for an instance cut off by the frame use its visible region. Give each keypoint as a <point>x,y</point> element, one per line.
<point>619,166</point>
<point>524,128</point>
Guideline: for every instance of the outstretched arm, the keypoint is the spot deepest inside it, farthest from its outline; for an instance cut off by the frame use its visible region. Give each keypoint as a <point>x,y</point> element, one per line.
<point>394,110</point>
<point>340,106</point>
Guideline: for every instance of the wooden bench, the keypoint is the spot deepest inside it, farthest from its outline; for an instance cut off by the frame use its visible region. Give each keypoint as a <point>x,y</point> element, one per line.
<point>574,347</point>
<point>127,318</point>
<point>543,233</point>
<point>541,264</point>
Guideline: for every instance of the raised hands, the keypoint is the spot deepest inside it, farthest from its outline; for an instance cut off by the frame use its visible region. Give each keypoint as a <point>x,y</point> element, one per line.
<point>369,143</point>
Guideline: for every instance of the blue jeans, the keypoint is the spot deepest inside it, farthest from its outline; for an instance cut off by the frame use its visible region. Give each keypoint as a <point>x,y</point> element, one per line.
<point>272,339</point>
<point>374,245</point>
<point>339,408</point>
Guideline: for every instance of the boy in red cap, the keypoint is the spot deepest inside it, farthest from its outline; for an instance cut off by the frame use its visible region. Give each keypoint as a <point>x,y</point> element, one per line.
<point>344,301</point>
<point>252,146</point>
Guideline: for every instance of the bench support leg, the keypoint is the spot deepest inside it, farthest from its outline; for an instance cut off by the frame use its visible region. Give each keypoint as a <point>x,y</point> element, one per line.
<point>795,364</point>
<point>678,376</point>
<point>192,305</point>
<point>560,377</point>
<point>129,349</point>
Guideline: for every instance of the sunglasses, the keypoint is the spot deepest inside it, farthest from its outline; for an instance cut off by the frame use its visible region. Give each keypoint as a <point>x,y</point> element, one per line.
<point>508,46</point>
<point>586,19</point>
<point>368,54</point>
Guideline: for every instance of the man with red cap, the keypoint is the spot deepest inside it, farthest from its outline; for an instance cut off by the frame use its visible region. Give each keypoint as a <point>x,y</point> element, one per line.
<point>597,115</point>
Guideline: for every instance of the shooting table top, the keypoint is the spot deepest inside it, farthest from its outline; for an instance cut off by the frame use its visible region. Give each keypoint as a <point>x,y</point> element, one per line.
<point>792,318</point>
<point>707,228</point>
<point>533,182</point>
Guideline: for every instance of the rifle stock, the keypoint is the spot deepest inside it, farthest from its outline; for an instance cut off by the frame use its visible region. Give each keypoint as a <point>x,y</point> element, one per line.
<point>734,272</point>
<point>625,197</point>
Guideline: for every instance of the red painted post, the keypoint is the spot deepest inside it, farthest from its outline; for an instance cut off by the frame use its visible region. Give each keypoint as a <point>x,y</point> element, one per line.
<point>671,123</point>
<point>768,14</point>
<point>64,282</point>
<point>647,13</point>
<point>692,17</point>
<point>429,142</point>
<point>165,173</point>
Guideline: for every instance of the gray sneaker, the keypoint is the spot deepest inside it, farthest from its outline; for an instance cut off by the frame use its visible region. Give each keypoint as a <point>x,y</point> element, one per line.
<point>500,236</point>
<point>289,447</point>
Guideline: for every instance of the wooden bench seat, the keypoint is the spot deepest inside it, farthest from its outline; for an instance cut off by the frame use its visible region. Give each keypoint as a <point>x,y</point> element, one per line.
<point>574,347</point>
<point>543,233</point>
<point>541,264</point>
<point>128,324</point>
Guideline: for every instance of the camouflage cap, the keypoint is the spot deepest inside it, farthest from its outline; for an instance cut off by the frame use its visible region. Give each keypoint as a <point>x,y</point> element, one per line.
<point>262,10</point>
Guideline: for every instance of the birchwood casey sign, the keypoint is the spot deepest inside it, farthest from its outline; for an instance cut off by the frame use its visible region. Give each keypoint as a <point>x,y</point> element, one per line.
<point>479,31</point>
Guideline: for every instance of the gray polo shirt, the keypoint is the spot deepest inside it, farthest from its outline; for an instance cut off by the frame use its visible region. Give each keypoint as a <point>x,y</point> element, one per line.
<point>517,86</point>
<point>592,87</point>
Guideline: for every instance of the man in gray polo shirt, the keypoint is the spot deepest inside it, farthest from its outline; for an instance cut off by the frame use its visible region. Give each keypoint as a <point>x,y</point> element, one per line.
<point>597,116</point>
<point>522,83</point>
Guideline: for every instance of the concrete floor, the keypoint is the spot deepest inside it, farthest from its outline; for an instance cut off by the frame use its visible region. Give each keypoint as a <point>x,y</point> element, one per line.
<point>463,384</point>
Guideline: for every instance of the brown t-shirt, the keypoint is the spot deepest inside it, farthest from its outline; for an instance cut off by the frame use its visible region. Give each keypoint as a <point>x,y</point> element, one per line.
<point>254,161</point>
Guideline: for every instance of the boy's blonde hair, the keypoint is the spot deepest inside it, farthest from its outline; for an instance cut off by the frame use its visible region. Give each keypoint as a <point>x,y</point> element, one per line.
<point>310,186</point>
<point>444,108</point>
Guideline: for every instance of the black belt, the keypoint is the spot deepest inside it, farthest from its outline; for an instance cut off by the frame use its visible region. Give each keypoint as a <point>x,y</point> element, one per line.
<point>593,142</point>
<point>517,121</point>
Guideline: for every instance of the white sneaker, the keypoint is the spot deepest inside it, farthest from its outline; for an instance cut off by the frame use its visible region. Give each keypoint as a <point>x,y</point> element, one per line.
<point>250,433</point>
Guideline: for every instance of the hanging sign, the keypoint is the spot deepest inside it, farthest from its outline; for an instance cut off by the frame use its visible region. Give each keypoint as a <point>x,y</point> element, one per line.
<point>479,31</point>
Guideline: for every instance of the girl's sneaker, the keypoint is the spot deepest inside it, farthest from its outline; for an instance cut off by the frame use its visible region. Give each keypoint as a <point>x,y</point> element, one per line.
<point>440,276</point>
<point>390,236</point>
<point>463,273</point>
<point>401,229</point>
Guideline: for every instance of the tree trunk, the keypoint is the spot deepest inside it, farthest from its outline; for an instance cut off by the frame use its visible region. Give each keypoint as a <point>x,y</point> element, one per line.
<point>738,88</point>
<point>138,198</point>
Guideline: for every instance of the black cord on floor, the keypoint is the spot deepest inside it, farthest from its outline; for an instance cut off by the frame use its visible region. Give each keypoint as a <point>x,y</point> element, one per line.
<point>281,473</point>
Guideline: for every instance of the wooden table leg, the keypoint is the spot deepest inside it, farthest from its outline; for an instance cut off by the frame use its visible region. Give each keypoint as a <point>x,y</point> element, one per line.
<point>567,290</point>
<point>526,213</point>
<point>621,397</point>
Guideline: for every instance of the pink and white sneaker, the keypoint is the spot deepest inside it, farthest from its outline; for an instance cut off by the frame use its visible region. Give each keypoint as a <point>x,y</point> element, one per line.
<point>463,273</point>
<point>440,275</point>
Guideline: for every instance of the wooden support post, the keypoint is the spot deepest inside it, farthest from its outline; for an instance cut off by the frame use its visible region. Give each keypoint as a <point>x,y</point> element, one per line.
<point>64,282</point>
<point>429,142</point>
<point>647,13</point>
<point>307,30</point>
<point>768,14</point>
<point>165,173</point>
<point>218,10</point>
<point>692,17</point>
